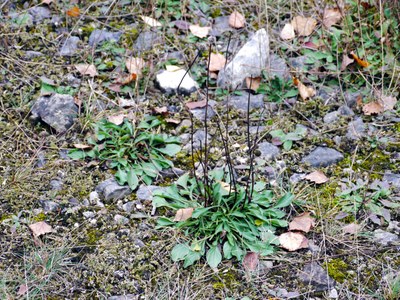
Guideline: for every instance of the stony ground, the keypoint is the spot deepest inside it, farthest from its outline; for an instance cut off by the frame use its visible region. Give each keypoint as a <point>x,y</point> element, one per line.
<point>103,242</point>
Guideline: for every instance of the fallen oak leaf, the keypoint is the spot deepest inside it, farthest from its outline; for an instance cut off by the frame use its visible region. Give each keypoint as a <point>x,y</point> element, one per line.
<point>253,83</point>
<point>287,32</point>
<point>293,241</point>
<point>183,214</point>
<point>303,26</point>
<point>160,110</point>
<point>116,119</point>
<point>317,177</point>
<point>40,228</point>
<point>351,228</point>
<point>217,62</point>
<point>305,91</point>
<point>346,60</point>
<point>250,261</point>
<point>331,17</point>
<point>87,69</point>
<point>82,146</point>
<point>196,104</point>
<point>200,32</point>
<point>372,108</point>
<point>135,65</point>
<point>236,20</point>
<point>302,222</point>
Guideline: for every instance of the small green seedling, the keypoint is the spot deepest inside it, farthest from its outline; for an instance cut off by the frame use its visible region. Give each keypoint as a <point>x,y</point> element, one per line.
<point>279,137</point>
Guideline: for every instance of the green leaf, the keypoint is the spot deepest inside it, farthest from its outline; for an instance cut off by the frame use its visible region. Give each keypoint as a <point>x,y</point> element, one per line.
<point>191,258</point>
<point>132,179</point>
<point>121,176</point>
<point>227,249</point>
<point>213,257</point>
<point>161,222</point>
<point>279,223</point>
<point>284,201</point>
<point>291,93</point>
<point>183,180</point>
<point>170,149</point>
<point>199,212</point>
<point>287,145</point>
<point>76,154</point>
<point>179,252</point>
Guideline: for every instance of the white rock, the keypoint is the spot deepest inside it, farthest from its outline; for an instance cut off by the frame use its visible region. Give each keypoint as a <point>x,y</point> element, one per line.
<point>169,81</point>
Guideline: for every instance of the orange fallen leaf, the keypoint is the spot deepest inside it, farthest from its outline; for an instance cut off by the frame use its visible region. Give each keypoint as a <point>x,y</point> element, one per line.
<point>135,65</point>
<point>40,228</point>
<point>236,20</point>
<point>183,214</point>
<point>331,17</point>
<point>302,222</point>
<point>317,177</point>
<point>295,80</point>
<point>305,91</point>
<point>253,83</point>
<point>116,119</point>
<point>200,32</point>
<point>293,241</point>
<point>217,62</point>
<point>250,261</point>
<point>287,32</point>
<point>86,69</point>
<point>73,12</point>
<point>151,22</point>
<point>359,61</point>
<point>303,26</point>
<point>372,108</point>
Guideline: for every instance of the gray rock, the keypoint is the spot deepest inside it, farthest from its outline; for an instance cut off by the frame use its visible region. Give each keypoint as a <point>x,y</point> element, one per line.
<point>251,59</point>
<point>344,110</point>
<point>240,101</point>
<point>23,19</point>
<point>322,157</point>
<point>98,36</point>
<point>147,40</point>
<point>171,172</point>
<point>221,25</point>
<point>200,113</point>
<point>94,197</point>
<point>58,111</point>
<point>356,129</point>
<point>32,54</point>
<point>128,207</point>
<point>41,160</point>
<point>298,62</point>
<point>331,117</point>
<point>121,220</point>
<point>351,98</point>
<point>278,67</point>
<point>393,179</point>
<point>169,82</point>
<point>73,81</point>
<point>268,151</point>
<point>56,184</point>
<point>199,138</point>
<point>385,238</point>
<point>88,214</point>
<point>39,13</point>
<point>48,205</point>
<point>124,297</point>
<point>327,93</point>
<point>316,276</point>
<point>73,202</point>
<point>111,190</point>
<point>296,178</point>
<point>145,192</point>
<point>70,46</point>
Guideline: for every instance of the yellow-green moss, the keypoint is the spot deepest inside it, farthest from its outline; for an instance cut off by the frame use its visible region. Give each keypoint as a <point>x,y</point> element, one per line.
<point>93,236</point>
<point>39,217</point>
<point>337,269</point>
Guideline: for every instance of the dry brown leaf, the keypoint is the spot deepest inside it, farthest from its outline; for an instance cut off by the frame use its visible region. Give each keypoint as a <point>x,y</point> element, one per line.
<point>250,261</point>
<point>287,32</point>
<point>82,146</point>
<point>200,32</point>
<point>372,108</point>
<point>302,222</point>
<point>183,214</point>
<point>253,83</point>
<point>116,119</point>
<point>151,22</point>
<point>172,121</point>
<point>73,12</point>
<point>196,104</point>
<point>86,69</point>
<point>352,228</point>
<point>135,65</point>
<point>305,91</point>
<point>331,17</point>
<point>303,26</point>
<point>293,241</point>
<point>317,177</point>
<point>40,228</point>
<point>217,62</point>
<point>160,110</point>
<point>236,20</point>
<point>346,60</point>
<point>23,288</point>
<point>389,102</point>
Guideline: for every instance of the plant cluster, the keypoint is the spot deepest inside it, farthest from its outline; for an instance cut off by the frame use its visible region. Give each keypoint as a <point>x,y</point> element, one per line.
<point>223,220</point>
<point>279,137</point>
<point>137,153</point>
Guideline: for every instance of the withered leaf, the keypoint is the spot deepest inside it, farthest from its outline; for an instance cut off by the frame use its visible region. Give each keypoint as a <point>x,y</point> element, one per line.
<point>87,69</point>
<point>217,62</point>
<point>236,20</point>
<point>372,108</point>
<point>293,241</point>
<point>200,32</point>
<point>196,104</point>
<point>303,26</point>
<point>40,228</point>
<point>151,21</point>
<point>250,261</point>
<point>302,222</point>
<point>183,214</point>
<point>116,119</point>
<point>331,17</point>
<point>287,32</point>
<point>317,176</point>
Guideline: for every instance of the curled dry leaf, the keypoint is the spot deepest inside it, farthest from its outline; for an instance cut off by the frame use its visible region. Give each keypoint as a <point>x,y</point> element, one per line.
<point>389,102</point>
<point>303,26</point>
<point>151,22</point>
<point>200,32</point>
<point>160,110</point>
<point>305,91</point>
<point>253,83</point>
<point>372,108</point>
<point>86,69</point>
<point>183,214</point>
<point>359,61</point>
<point>116,119</point>
<point>293,241</point>
<point>287,32</point>
<point>135,65</point>
<point>82,146</point>
<point>346,60</point>
<point>351,228</point>
<point>317,177</point>
<point>73,12</point>
<point>217,62</point>
<point>302,222</point>
<point>196,104</point>
<point>40,228</point>
<point>250,261</point>
<point>331,17</point>
<point>236,20</point>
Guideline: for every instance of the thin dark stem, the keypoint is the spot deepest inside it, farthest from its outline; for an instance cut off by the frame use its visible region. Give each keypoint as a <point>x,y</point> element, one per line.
<point>250,148</point>
<point>187,71</point>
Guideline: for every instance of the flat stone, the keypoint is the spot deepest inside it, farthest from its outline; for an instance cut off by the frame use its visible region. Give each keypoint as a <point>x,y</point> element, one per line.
<point>322,157</point>
<point>251,59</point>
<point>70,46</point>
<point>121,220</point>
<point>128,207</point>
<point>32,54</point>
<point>58,111</point>
<point>385,238</point>
<point>344,110</point>
<point>278,67</point>
<point>48,205</point>
<point>240,101</point>
<point>356,129</point>
<point>124,297</point>
<point>220,26</point>
<point>145,192</point>
<point>99,36</point>
<point>56,184</point>
<point>316,276</point>
<point>393,179</point>
<point>268,151</point>
<point>200,113</point>
<point>176,82</point>
<point>111,190</point>
<point>199,138</point>
<point>147,40</point>
<point>331,117</point>
<point>39,13</point>
<point>298,62</point>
